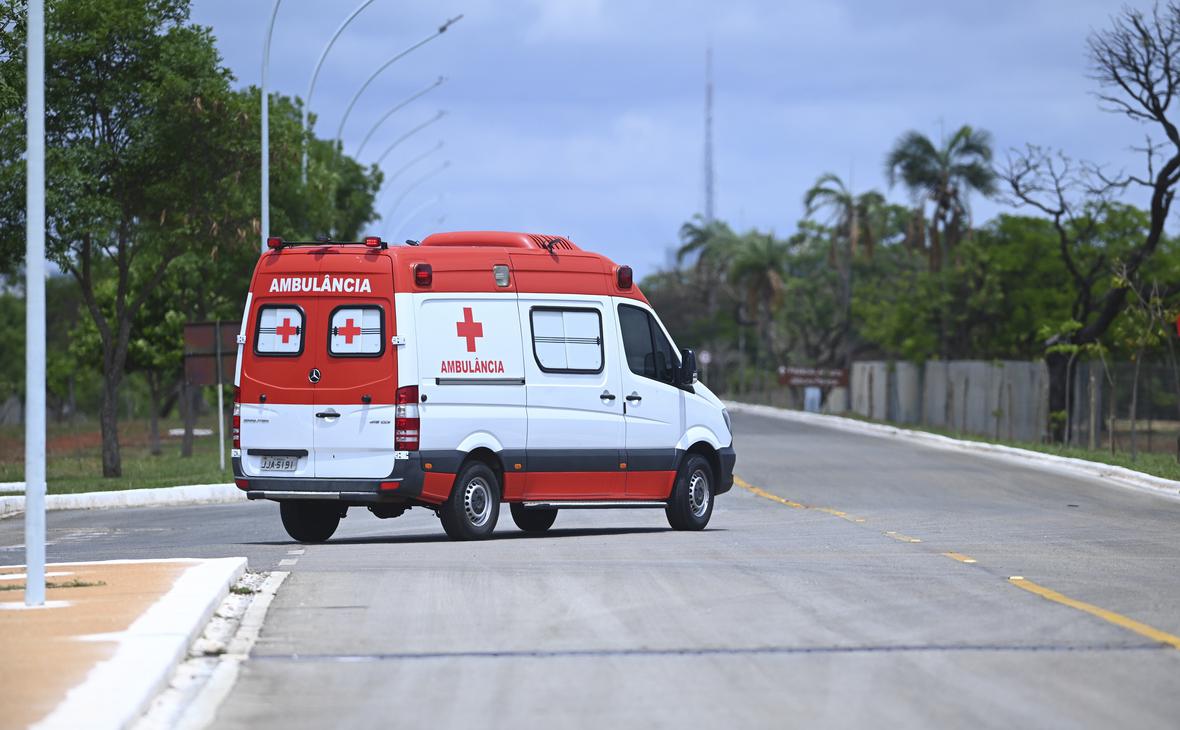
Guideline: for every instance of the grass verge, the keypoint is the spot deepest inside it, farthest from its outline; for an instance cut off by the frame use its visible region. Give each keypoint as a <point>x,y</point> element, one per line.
<point>1153,463</point>
<point>74,458</point>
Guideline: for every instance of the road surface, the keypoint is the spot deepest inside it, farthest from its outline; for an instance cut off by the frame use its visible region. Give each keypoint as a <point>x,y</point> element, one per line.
<point>848,581</point>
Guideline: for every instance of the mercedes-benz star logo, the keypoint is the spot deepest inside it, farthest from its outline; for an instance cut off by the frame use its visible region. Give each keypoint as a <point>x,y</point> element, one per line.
<point>314,375</point>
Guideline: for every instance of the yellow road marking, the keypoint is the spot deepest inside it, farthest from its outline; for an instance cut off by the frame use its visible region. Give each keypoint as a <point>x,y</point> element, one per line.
<point>763,493</point>
<point>901,537</point>
<point>1110,616</point>
<point>961,557</point>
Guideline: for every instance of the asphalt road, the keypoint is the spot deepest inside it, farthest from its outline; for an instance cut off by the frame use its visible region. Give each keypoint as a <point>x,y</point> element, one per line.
<point>835,588</point>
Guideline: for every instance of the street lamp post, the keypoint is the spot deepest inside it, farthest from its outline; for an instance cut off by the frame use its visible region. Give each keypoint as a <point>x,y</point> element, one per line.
<point>414,185</point>
<point>412,215</point>
<point>409,134</point>
<point>266,128</point>
<point>414,161</point>
<point>316,73</point>
<point>344,118</point>
<point>35,309</point>
<point>396,108</point>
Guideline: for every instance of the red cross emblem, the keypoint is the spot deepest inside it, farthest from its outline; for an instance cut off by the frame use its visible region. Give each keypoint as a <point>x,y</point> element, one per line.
<point>349,330</point>
<point>286,330</point>
<point>469,328</point>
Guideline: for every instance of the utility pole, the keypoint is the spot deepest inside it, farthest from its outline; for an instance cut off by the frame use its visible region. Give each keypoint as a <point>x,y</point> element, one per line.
<point>708,135</point>
<point>265,203</point>
<point>35,310</point>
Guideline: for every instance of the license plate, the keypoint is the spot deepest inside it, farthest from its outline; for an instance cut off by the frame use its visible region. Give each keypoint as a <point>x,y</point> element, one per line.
<point>279,463</point>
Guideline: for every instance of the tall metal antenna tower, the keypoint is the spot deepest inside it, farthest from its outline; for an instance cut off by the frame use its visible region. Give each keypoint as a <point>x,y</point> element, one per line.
<point>709,135</point>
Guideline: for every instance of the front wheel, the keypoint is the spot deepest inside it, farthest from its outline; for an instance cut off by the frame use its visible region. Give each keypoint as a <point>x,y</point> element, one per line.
<point>691,503</point>
<point>535,519</point>
<point>309,521</point>
<point>470,513</point>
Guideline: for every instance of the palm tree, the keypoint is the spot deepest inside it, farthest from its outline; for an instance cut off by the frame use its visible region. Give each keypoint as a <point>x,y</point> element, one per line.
<point>854,217</point>
<point>757,269</point>
<point>945,176</point>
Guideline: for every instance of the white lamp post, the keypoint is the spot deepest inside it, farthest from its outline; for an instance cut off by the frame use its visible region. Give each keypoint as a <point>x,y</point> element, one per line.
<point>35,310</point>
<point>266,128</point>
<point>392,111</point>
<point>316,73</point>
<point>344,118</point>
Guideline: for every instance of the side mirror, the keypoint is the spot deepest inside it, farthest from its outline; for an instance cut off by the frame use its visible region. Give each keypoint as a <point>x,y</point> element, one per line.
<point>687,375</point>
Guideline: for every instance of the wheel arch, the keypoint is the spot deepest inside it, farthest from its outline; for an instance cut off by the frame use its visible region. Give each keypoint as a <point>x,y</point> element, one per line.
<point>705,449</point>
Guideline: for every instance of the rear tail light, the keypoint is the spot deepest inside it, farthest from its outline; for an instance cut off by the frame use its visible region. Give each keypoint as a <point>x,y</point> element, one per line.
<point>237,422</point>
<point>625,277</point>
<point>423,274</point>
<point>406,424</point>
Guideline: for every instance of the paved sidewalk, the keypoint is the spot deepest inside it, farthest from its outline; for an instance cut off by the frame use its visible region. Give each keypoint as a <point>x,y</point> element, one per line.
<point>107,638</point>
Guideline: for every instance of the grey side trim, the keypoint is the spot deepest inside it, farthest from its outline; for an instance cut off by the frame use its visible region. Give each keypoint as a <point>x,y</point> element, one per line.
<point>479,381</point>
<point>601,504</point>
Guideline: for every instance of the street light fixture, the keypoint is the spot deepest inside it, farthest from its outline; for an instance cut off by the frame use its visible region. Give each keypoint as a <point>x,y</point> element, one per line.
<point>316,73</point>
<point>266,128</point>
<point>397,107</point>
<point>409,134</point>
<point>441,29</point>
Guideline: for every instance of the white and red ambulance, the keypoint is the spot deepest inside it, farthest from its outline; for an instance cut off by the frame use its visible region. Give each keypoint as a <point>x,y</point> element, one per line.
<point>474,369</point>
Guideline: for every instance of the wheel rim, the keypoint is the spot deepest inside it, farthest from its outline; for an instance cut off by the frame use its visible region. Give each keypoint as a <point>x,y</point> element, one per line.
<point>477,502</point>
<point>698,493</point>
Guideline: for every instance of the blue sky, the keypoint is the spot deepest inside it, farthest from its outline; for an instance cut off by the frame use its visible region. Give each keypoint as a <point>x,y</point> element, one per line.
<point>585,117</point>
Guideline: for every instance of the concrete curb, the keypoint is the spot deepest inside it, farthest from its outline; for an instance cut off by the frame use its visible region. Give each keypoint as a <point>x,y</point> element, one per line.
<point>118,690</point>
<point>157,497</point>
<point>1104,473</point>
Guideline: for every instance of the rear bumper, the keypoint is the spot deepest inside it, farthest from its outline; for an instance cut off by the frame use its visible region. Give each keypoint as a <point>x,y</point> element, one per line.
<point>404,484</point>
<point>728,458</point>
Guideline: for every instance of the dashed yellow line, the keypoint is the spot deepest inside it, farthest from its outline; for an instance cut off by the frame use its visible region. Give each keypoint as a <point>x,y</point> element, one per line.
<point>1110,616</point>
<point>763,493</point>
<point>961,557</point>
<point>1019,581</point>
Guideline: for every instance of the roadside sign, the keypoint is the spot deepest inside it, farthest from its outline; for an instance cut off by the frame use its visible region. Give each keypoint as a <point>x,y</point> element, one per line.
<point>817,377</point>
<point>203,348</point>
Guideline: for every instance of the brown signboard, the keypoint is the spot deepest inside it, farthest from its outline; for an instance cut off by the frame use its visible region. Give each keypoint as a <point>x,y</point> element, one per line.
<point>204,342</point>
<point>819,377</point>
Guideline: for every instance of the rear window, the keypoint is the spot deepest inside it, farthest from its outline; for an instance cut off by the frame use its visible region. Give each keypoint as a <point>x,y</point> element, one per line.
<point>280,330</point>
<point>357,331</point>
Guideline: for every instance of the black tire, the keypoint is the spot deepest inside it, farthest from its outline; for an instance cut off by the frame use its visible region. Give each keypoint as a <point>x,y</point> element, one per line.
<point>474,505</point>
<point>691,503</point>
<point>309,521</point>
<point>535,519</point>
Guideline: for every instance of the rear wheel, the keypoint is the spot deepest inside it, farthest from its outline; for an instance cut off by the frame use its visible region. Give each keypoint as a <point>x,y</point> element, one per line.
<point>691,504</point>
<point>474,505</point>
<point>534,519</point>
<point>309,521</point>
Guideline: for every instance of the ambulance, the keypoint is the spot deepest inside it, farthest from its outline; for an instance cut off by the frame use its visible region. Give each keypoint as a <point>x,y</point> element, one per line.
<point>460,373</point>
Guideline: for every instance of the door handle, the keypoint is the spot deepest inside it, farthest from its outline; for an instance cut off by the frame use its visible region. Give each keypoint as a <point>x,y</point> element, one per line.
<point>634,397</point>
<point>327,414</point>
<point>607,395</point>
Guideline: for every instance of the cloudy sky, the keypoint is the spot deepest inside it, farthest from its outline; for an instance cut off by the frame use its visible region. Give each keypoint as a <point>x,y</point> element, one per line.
<point>585,117</point>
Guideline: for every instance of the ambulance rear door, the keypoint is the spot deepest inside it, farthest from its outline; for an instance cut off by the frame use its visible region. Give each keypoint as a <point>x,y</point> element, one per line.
<point>353,422</point>
<point>279,355</point>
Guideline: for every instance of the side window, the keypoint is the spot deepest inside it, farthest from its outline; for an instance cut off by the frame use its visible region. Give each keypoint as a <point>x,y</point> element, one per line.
<point>567,340</point>
<point>357,331</point>
<point>279,331</point>
<point>649,353</point>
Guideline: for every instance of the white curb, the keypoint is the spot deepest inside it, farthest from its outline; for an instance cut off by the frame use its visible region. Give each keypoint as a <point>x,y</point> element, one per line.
<point>118,689</point>
<point>158,497</point>
<point>1104,473</point>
